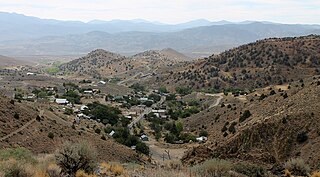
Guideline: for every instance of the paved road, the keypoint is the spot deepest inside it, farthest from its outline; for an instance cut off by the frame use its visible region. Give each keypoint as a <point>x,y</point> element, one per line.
<point>146,112</point>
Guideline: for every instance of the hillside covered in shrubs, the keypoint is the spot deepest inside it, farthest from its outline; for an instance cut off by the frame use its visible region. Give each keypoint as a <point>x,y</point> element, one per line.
<point>259,64</point>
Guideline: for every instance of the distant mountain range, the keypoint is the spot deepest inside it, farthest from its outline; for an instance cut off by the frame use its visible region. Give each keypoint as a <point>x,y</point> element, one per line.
<point>23,35</point>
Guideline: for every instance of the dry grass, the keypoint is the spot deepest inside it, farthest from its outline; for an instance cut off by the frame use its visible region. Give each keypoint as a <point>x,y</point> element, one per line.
<point>297,167</point>
<point>82,173</point>
<point>316,174</point>
<point>112,169</point>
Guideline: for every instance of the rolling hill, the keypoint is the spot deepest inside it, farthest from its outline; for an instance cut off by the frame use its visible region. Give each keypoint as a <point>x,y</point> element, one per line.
<point>259,64</point>
<point>100,63</point>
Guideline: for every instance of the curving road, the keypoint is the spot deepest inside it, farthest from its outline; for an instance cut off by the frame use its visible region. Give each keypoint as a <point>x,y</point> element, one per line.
<point>220,97</point>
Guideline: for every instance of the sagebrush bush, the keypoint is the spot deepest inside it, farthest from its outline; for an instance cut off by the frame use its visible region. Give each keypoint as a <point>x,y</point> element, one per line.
<point>213,167</point>
<point>74,157</point>
<point>297,167</point>
<point>249,169</point>
<point>19,154</point>
<point>14,168</point>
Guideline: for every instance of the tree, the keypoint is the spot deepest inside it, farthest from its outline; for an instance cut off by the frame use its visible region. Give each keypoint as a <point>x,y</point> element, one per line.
<point>179,126</point>
<point>73,157</point>
<point>143,148</point>
<point>245,115</point>
<point>183,90</point>
<point>169,138</point>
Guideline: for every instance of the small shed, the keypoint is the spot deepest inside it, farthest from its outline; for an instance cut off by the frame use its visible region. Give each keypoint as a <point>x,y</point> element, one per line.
<point>62,101</point>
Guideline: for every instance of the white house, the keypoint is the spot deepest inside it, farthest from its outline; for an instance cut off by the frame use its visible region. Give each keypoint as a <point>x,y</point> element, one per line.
<point>143,99</point>
<point>112,133</point>
<point>159,113</point>
<point>88,92</point>
<point>62,101</point>
<point>83,107</point>
<point>102,82</point>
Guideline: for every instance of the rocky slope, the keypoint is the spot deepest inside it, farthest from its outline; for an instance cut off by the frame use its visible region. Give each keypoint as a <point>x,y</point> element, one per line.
<point>22,127</point>
<point>282,123</point>
<point>259,64</point>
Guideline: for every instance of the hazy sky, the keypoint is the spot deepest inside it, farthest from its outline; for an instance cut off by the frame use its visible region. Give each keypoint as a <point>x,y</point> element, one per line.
<point>170,11</point>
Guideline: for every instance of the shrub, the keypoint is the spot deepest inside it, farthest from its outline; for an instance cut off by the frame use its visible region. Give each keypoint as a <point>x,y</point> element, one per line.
<point>203,133</point>
<point>245,116</point>
<point>183,90</point>
<point>98,131</point>
<point>249,169</point>
<point>13,168</point>
<point>50,135</point>
<point>19,154</point>
<point>74,157</point>
<point>297,167</point>
<point>16,115</point>
<point>68,111</point>
<point>302,137</point>
<point>232,128</point>
<point>143,148</point>
<point>272,92</point>
<point>213,167</point>
<point>53,170</point>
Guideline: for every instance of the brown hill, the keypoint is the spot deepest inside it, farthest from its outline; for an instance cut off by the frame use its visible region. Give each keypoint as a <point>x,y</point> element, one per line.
<point>8,61</point>
<point>175,55</point>
<point>255,65</point>
<point>167,54</point>
<point>20,127</point>
<point>94,63</point>
<point>280,124</point>
<point>100,63</point>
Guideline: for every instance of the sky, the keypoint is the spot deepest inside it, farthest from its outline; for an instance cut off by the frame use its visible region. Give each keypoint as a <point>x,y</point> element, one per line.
<point>170,11</point>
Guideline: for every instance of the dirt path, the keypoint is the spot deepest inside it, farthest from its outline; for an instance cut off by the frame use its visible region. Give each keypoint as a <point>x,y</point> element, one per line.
<point>129,79</point>
<point>158,153</point>
<point>220,97</point>
<point>18,130</point>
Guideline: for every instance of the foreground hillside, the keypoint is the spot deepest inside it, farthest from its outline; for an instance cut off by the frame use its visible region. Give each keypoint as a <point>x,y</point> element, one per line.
<point>41,131</point>
<point>268,126</point>
<point>259,64</point>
